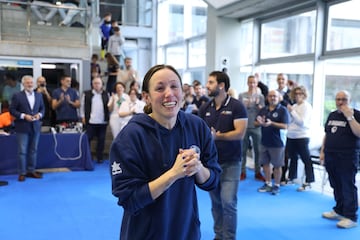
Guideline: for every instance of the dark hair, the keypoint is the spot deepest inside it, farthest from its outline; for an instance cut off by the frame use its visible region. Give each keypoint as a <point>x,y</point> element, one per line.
<point>196,83</point>
<point>119,83</point>
<point>116,29</point>
<point>132,90</point>
<point>252,76</point>
<point>147,77</point>
<point>95,56</point>
<point>64,76</point>
<point>292,83</point>
<point>221,77</point>
<point>133,83</point>
<point>111,59</point>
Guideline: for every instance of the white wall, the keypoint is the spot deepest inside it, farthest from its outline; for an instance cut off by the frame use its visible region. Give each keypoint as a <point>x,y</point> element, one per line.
<point>222,38</point>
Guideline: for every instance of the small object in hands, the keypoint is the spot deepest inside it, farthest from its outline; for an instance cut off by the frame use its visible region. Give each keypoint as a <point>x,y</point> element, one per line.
<point>196,148</point>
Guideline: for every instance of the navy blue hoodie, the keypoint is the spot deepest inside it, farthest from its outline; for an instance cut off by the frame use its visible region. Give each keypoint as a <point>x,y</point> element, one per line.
<point>142,152</point>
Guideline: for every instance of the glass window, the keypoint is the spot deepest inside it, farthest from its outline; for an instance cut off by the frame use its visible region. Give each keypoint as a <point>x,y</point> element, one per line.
<point>241,85</point>
<point>246,41</point>
<point>145,13</point>
<point>198,75</point>
<point>11,72</point>
<point>199,18</point>
<point>288,36</point>
<point>341,74</point>
<point>301,73</point>
<point>344,26</point>
<point>160,55</point>
<point>112,6</point>
<point>197,53</point>
<point>131,13</point>
<point>175,56</point>
<point>176,22</point>
<point>181,26</point>
<point>162,24</point>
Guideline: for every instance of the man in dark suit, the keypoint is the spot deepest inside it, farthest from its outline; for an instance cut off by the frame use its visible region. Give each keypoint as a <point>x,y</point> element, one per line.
<point>27,107</point>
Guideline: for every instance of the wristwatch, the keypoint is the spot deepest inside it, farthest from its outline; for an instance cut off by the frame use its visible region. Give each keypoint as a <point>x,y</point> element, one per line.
<point>350,118</point>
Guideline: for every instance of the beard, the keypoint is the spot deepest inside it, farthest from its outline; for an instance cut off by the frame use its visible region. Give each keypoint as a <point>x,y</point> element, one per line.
<point>214,93</point>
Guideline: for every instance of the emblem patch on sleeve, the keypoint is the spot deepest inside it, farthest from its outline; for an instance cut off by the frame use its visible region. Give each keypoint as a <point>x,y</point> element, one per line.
<point>115,168</point>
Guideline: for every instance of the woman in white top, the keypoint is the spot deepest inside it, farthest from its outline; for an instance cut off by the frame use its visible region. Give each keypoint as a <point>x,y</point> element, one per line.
<point>298,136</point>
<point>130,107</point>
<point>116,100</point>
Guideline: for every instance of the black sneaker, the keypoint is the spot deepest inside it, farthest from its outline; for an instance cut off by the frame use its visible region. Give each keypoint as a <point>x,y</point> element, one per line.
<point>3,183</point>
<point>275,190</point>
<point>265,188</point>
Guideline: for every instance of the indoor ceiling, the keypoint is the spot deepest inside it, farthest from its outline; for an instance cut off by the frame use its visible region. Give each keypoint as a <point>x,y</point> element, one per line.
<point>242,9</point>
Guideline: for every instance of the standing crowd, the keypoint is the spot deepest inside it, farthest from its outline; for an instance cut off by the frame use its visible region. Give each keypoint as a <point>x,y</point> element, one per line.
<point>195,137</point>
<point>276,126</point>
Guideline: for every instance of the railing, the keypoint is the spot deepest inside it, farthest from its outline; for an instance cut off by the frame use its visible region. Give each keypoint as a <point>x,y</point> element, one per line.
<point>19,21</point>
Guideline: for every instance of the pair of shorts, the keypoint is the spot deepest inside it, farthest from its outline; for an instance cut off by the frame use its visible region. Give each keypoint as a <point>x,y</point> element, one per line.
<point>273,155</point>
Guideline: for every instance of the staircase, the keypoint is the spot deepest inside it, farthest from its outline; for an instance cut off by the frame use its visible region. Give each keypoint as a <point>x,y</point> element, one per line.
<point>20,35</point>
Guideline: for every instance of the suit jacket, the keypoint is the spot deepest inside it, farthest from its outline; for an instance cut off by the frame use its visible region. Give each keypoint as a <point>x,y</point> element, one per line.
<point>20,104</point>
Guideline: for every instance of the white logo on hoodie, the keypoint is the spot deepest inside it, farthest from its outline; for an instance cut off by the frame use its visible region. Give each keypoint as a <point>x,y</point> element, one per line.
<point>115,168</point>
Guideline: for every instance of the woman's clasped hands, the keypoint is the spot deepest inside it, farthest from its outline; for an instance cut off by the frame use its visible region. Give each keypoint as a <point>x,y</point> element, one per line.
<point>187,162</point>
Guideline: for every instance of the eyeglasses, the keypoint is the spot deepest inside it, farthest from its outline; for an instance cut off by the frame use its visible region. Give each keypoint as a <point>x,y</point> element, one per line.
<point>341,99</point>
<point>298,93</point>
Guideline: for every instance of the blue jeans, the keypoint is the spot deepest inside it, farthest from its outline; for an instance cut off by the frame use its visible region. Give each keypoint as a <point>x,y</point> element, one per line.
<point>224,201</point>
<point>27,151</point>
<point>255,134</point>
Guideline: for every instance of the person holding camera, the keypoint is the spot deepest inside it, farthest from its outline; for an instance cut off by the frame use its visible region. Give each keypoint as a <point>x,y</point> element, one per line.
<point>49,117</point>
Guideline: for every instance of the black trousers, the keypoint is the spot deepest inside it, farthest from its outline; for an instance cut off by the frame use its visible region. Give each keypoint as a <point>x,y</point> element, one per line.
<point>98,131</point>
<point>342,168</point>
<point>300,147</point>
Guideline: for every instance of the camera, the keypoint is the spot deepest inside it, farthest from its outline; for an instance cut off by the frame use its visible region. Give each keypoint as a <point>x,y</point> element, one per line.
<point>42,84</point>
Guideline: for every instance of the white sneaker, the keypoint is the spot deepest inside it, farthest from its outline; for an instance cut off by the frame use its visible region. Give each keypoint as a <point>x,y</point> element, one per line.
<point>332,215</point>
<point>41,22</point>
<point>346,223</point>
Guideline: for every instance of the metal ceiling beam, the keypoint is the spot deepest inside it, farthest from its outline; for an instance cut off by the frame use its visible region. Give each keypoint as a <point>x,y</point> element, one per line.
<point>257,8</point>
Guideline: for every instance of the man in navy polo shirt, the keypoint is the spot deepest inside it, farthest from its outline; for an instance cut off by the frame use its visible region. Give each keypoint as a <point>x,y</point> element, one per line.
<point>340,151</point>
<point>273,120</point>
<point>227,119</point>
<point>65,101</point>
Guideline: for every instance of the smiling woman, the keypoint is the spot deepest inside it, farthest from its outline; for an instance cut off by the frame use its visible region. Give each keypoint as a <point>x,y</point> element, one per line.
<point>180,153</point>
<point>164,94</point>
